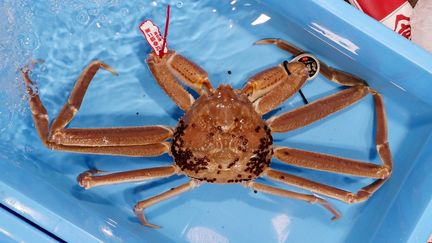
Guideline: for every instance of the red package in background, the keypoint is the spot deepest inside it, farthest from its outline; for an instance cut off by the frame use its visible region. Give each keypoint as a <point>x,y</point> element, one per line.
<point>395,14</point>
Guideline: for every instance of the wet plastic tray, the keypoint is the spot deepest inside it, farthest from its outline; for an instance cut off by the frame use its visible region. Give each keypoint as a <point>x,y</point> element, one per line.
<point>40,184</point>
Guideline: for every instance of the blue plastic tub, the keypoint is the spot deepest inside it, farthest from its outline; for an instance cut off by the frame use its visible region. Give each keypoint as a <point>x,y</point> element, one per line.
<point>40,184</point>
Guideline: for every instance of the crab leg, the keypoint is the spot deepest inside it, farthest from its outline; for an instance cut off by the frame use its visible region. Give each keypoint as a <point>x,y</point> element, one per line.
<point>190,74</point>
<point>317,110</point>
<point>295,195</point>
<point>39,113</point>
<point>264,81</point>
<point>120,136</point>
<point>342,195</point>
<point>331,74</point>
<point>171,66</point>
<point>76,97</point>
<point>381,139</point>
<point>140,206</point>
<point>147,150</point>
<point>324,107</point>
<point>273,86</point>
<point>97,140</point>
<point>346,166</point>
<point>340,77</point>
<point>90,178</point>
<point>324,162</point>
<point>282,44</point>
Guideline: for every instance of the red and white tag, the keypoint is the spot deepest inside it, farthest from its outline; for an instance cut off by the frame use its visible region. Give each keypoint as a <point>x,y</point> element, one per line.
<point>395,14</point>
<point>153,36</point>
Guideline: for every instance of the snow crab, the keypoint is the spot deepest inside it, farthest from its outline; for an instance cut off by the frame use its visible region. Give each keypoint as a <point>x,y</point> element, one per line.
<point>222,137</point>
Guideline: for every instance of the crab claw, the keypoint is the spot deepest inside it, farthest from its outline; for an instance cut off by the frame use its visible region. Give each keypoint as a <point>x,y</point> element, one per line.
<point>331,74</point>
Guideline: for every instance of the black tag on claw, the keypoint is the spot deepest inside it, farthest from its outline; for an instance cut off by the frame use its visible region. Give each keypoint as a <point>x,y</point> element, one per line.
<point>311,63</point>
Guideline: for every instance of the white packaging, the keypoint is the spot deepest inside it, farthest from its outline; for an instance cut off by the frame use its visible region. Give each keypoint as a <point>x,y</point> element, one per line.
<point>421,24</point>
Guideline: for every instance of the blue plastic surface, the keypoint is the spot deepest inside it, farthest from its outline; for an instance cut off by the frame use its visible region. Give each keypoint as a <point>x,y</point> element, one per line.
<point>40,184</point>
<point>13,229</point>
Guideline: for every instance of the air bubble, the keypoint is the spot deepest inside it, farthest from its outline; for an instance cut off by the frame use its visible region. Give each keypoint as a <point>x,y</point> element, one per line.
<point>28,41</point>
<point>103,18</point>
<point>83,18</point>
<point>43,68</point>
<point>124,12</point>
<point>113,2</point>
<point>93,11</point>
<point>179,4</point>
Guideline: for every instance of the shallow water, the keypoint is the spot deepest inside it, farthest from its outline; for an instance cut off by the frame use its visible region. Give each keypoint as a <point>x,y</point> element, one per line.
<point>68,35</point>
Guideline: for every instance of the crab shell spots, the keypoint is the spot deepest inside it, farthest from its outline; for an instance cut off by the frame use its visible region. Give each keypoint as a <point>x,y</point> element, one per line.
<point>222,139</point>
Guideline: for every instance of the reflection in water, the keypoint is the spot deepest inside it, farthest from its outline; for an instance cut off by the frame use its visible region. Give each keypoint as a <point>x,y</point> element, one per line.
<point>261,19</point>
<point>106,230</point>
<point>6,233</point>
<point>281,225</point>
<point>112,222</point>
<point>202,234</point>
<point>21,208</point>
<point>341,41</point>
<point>397,85</point>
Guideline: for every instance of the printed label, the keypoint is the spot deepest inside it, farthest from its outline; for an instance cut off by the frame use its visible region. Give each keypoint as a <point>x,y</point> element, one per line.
<point>311,62</point>
<point>403,26</point>
<point>394,14</point>
<point>153,36</point>
<point>399,20</point>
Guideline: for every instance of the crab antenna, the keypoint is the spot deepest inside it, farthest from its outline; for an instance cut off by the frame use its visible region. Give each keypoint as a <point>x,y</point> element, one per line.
<point>161,53</point>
